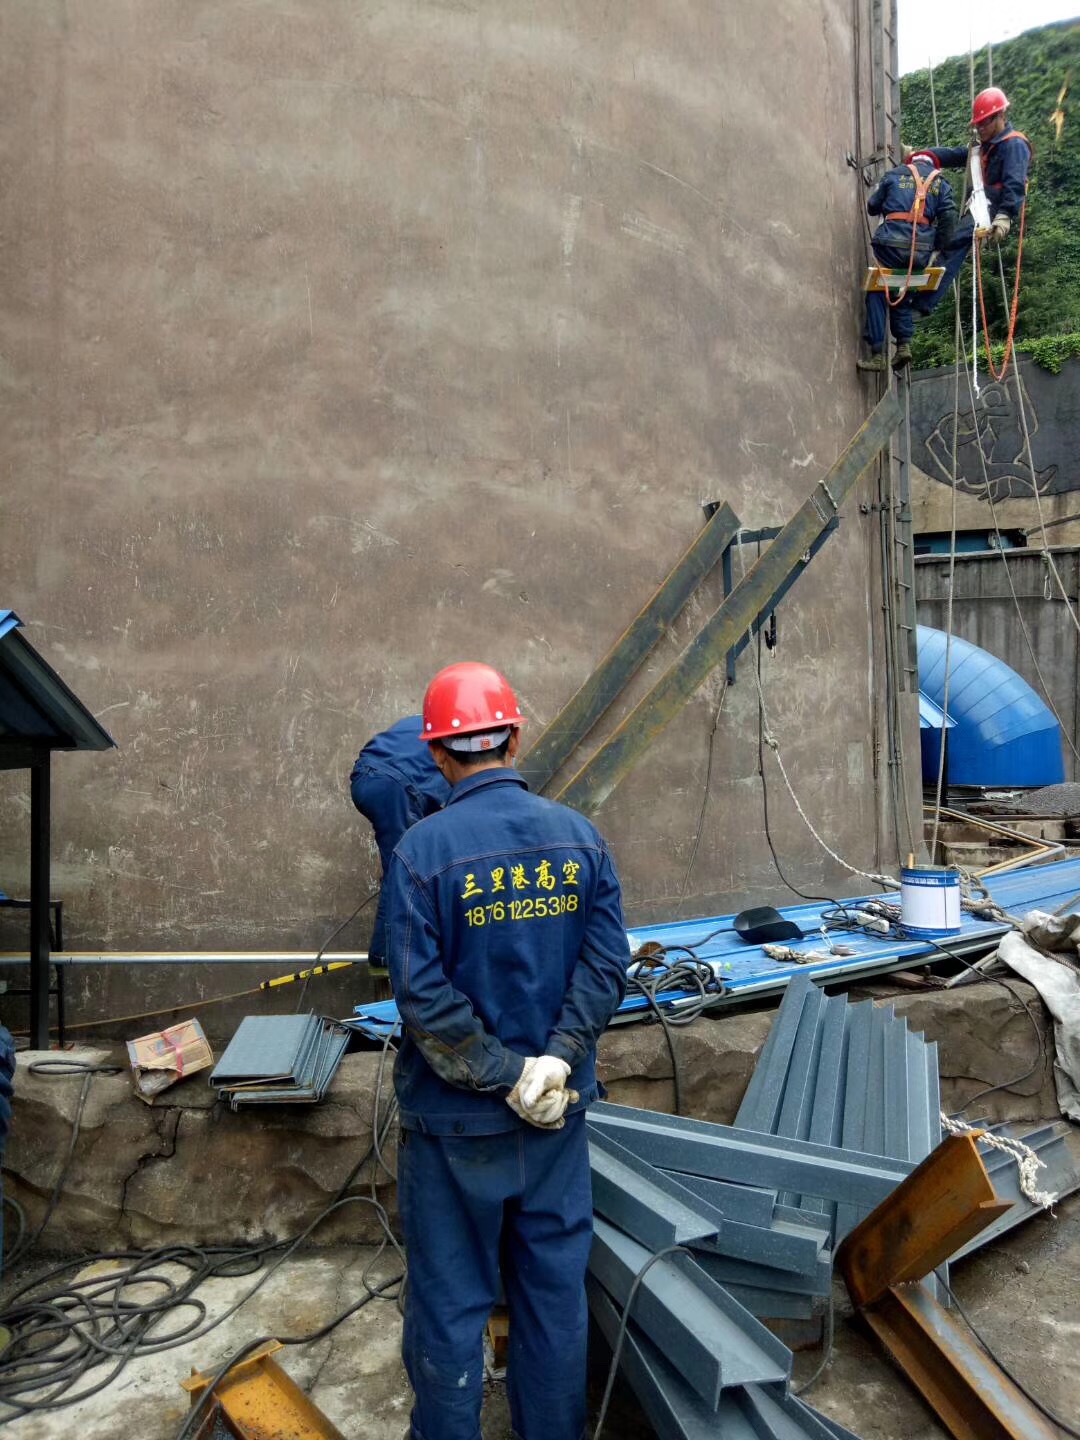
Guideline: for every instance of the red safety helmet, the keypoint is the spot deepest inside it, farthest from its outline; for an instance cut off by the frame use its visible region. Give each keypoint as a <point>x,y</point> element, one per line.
<point>988,103</point>
<point>468,697</point>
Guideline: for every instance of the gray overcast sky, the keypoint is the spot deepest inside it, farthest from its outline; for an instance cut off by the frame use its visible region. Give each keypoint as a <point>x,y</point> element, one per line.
<point>932,30</point>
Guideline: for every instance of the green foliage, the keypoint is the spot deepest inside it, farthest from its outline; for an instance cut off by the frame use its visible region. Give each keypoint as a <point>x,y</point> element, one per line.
<point>1033,70</point>
<point>1049,351</point>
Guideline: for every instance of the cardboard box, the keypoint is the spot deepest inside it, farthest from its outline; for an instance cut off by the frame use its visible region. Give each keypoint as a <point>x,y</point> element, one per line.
<point>161,1059</point>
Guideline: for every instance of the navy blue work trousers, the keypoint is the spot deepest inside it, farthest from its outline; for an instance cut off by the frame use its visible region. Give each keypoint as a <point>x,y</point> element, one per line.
<point>952,257</point>
<point>878,313</point>
<point>472,1206</point>
<point>392,808</point>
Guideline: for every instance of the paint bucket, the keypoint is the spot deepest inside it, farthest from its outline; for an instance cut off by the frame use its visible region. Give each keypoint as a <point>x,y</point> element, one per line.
<point>930,900</point>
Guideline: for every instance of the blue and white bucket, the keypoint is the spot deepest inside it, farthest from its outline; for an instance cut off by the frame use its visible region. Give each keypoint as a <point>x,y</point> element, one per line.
<point>930,900</point>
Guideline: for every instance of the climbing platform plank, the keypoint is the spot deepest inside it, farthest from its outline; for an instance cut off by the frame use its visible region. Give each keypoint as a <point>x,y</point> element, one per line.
<point>879,278</point>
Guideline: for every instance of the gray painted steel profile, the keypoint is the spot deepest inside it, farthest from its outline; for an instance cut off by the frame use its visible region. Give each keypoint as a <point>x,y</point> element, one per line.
<point>725,1153</point>
<point>676,1412</point>
<point>711,1339</point>
<point>643,1201</point>
<point>745,1203</point>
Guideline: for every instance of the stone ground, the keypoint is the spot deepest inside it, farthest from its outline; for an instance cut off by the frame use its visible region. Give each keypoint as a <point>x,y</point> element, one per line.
<point>1020,1292</point>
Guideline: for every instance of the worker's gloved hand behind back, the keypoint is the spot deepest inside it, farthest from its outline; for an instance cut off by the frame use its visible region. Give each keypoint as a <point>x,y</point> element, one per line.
<point>1000,228</point>
<point>540,1095</point>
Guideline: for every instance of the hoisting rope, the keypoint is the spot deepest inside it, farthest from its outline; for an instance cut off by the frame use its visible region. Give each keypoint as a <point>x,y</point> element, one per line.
<point>999,375</point>
<point>1027,1162</point>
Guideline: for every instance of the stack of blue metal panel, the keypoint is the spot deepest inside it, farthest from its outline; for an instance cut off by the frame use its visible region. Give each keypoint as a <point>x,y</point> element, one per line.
<point>280,1059</point>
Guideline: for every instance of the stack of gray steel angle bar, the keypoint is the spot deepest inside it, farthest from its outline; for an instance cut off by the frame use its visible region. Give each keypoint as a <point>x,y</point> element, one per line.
<point>280,1059</point>
<point>843,1104</point>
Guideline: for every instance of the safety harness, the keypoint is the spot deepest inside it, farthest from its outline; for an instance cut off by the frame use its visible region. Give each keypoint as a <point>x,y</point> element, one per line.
<point>916,215</point>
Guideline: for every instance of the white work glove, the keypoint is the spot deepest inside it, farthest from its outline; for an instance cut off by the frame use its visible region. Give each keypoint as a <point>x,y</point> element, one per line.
<point>540,1095</point>
<point>1000,228</point>
<point>906,152</point>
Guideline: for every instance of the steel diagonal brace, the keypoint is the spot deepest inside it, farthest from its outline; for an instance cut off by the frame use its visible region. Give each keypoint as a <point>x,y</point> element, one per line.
<point>935,1211</point>
<point>554,746</point>
<point>754,595</point>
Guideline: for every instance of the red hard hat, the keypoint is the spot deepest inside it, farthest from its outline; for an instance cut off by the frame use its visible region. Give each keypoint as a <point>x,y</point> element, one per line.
<point>988,103</point>
<point>468,697</point>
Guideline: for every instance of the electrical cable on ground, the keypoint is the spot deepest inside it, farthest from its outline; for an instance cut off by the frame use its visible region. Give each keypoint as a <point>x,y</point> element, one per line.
<point>61,1334</point>
<point>1040,1405</point>
<point>620,1339</point>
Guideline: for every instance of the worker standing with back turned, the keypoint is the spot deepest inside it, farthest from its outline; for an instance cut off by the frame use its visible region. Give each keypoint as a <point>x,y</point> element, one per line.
<point>508,958</point>
<point>1006,156</point>
<point>918,216</point>
<point>393,784</point>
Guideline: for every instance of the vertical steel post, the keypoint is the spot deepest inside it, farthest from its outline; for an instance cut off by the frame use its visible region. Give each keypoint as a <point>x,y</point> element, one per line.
<point>39,902</point>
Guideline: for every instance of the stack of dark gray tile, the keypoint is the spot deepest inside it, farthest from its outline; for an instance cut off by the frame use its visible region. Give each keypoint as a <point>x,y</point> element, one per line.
<point>280,1059</point>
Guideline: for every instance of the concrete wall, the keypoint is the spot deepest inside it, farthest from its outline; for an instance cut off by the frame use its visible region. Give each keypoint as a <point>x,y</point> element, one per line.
<point>342,340</point>
<point>1032,633</point>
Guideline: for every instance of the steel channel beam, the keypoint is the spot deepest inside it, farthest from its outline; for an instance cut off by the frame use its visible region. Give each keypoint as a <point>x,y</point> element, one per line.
<point>753,595</point>
<point>561,736</point>
<point>760,1108</point>
<point>795,1110</point>
<point>827,1120</point>
<point>728,1271</point>
<point>643,1201</point>
<point>859,1021</point>
<point>769,1304</point>
<point>785,1247</point>
<point>742,1155</point>
<point>751,1412</point>
<point>896,1139</point>
<point>714,1342</point>
<point>745,1203</point>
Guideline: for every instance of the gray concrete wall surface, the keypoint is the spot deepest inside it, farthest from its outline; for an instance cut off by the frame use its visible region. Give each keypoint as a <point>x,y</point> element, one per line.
<point>1009,603</point>
<point>344,340</point>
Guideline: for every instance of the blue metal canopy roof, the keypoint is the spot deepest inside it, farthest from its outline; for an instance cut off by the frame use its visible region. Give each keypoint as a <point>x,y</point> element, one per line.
<point>931,716</point>
<point>1004,733</point>
<point>37,710</point>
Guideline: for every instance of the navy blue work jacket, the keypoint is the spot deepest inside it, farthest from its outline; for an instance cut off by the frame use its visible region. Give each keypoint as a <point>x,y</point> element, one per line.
<point>506,939</point>
<point>1005,167</point>
<point>400,753</point>
<point>895,193</point>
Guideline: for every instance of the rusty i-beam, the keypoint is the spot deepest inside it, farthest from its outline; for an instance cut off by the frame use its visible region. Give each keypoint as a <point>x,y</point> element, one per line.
<point>937,1209</point>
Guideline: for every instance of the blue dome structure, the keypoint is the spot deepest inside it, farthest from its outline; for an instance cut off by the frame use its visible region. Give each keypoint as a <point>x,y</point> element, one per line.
<point>1002,733</point>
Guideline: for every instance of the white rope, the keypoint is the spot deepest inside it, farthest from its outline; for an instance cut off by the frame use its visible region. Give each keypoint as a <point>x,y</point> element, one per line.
<point>769,739</point>
<point>1027,1162</point>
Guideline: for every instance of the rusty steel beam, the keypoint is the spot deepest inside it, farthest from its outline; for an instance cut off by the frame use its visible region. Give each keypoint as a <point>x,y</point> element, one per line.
<point>257,1400</point>
<point>937,1209</point>
<point>931,1214</point>
<point>973,1398</point>
<point>561,736</point>
<point>753,596</point>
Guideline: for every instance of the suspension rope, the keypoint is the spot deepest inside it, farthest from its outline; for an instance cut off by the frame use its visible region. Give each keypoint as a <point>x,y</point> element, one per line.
<point>949,602</point>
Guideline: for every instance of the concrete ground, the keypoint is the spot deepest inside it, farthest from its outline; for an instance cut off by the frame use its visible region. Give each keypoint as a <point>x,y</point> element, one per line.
<point>1021,1292</point>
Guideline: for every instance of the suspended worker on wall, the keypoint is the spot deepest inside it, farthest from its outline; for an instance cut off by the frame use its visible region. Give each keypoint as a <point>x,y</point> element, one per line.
<point>1005,155</point>
<point>919,213</point>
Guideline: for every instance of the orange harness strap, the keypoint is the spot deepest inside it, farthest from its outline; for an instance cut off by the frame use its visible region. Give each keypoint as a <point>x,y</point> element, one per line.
<point>915,215</point>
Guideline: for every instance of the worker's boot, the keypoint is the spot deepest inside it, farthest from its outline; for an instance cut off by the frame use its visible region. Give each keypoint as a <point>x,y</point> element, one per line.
<point>901,355</point>
<point>877,362</point>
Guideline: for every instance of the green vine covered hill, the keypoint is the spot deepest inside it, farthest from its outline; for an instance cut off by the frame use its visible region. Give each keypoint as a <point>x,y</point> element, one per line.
<point>1038,71</point>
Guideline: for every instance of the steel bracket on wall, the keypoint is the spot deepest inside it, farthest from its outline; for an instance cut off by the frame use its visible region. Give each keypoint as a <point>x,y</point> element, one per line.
<point>767,620</point>
<point>928,1217</point>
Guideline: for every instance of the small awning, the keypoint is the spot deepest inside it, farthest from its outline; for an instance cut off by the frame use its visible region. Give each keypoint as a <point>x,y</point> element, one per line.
<point>931,716</point>
<point>37,710</point>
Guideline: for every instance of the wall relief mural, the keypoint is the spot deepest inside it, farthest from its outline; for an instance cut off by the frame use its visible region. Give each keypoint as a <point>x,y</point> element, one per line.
<point>992,460</point>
